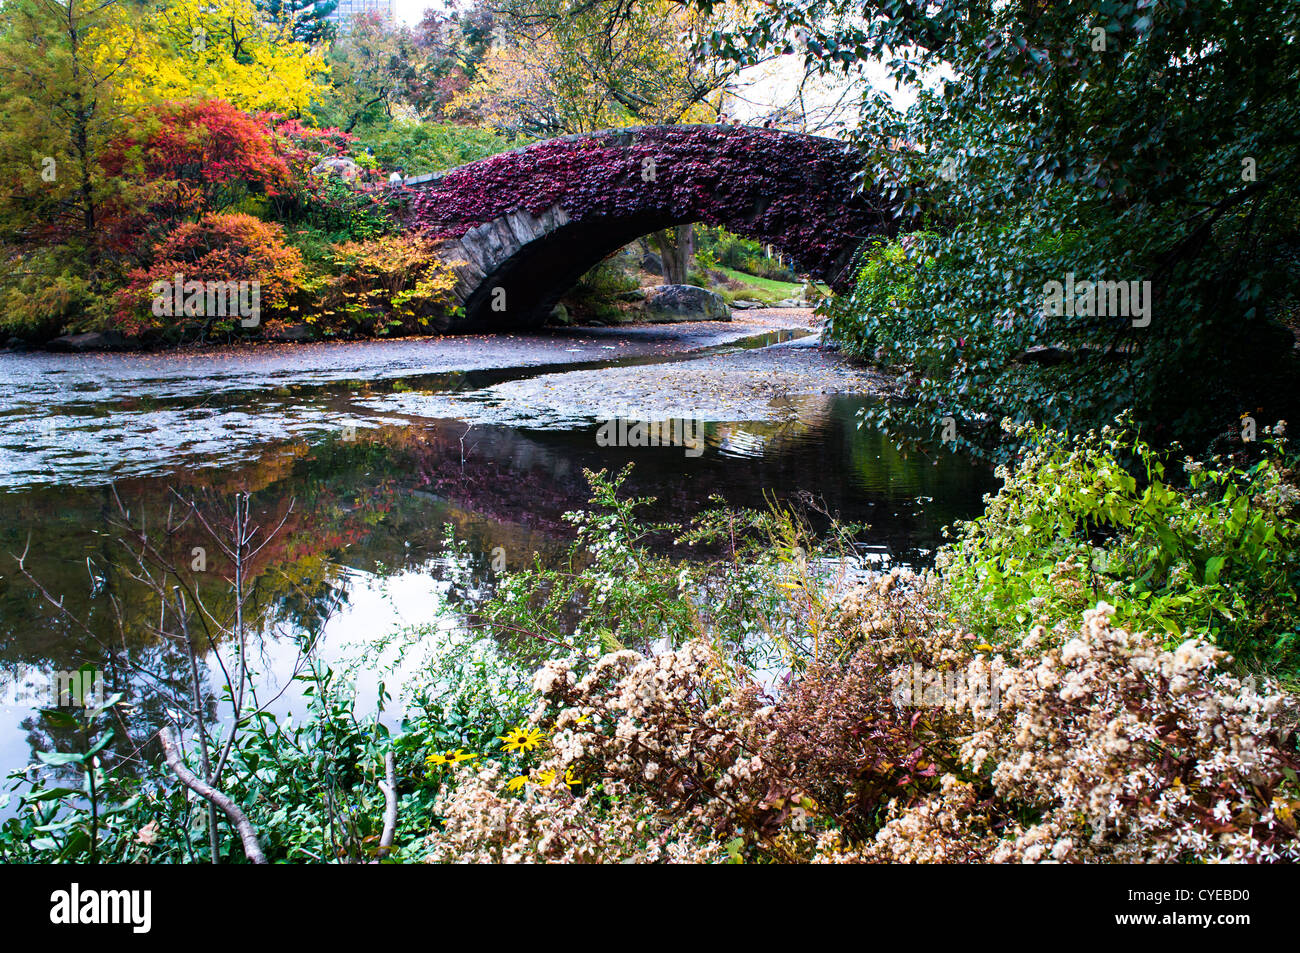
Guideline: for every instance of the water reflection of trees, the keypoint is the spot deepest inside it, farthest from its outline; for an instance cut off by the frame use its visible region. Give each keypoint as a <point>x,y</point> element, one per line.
<point>378,504</point>
<point>366,505</point>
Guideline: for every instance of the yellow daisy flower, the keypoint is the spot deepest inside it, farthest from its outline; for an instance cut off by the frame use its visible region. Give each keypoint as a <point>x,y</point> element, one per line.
<point>436,760</point>
<point>547,777</point>
<point>516,783</point>
<point>518,739</point>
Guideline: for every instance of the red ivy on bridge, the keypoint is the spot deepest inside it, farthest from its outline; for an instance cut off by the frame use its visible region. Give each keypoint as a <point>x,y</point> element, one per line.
<point>794,191</point>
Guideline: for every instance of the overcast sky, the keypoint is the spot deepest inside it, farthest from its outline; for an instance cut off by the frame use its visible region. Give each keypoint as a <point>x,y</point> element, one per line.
<point>410,11</point>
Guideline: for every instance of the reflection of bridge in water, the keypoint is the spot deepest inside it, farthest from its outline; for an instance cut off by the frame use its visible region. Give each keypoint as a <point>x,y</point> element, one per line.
<point>523,479</point>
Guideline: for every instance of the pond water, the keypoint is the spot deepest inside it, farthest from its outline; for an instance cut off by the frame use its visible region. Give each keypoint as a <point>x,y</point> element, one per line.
<point>353,452</point>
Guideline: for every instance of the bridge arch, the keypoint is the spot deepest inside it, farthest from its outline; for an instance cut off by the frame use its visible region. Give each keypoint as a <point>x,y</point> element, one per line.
<point>521,227</point>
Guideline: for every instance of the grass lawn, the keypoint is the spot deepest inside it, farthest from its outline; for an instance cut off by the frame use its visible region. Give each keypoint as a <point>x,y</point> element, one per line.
<point>765,290</point>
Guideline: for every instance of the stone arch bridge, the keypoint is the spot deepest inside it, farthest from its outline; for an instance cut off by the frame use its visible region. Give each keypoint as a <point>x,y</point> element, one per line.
<point>521,227</point>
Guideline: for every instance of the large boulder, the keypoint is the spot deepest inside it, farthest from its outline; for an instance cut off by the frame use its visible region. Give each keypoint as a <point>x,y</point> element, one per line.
<point>684,303</point>
<point>341,166</point>
<point>90,341</point>
<point>292,334</point>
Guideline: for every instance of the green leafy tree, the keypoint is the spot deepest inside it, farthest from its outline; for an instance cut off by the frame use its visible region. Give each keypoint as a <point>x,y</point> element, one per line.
<point>60,106</point>
<point>1114,141</point>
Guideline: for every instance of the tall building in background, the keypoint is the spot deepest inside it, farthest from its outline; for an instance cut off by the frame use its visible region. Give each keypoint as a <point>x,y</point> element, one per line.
<point>347,10</point>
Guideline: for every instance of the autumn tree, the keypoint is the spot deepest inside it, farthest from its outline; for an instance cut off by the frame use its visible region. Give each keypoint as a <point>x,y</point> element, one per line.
<point>230,50</point>
<point>62,66</point>
<point>380,71</point>
<point>454,43</point>
<point>563,69</point>
<point>184,160</point>
<point>376,70</point>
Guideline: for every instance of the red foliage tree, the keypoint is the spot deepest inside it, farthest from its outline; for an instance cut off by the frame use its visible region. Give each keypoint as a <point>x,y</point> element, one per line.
<point>217,248</point>
<point>182,161</point>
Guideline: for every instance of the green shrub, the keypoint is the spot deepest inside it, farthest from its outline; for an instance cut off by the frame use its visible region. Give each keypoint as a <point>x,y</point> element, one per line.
<point>418,148</point>
<point>875,320</point>
<point>45,291</point>
<point>1216,555</point>
<point>721,248</point>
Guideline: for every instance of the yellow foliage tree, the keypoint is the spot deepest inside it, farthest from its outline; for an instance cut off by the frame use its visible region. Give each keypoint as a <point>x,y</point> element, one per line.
<point>226,49</point>
<point>570,69</point>
<point>61,69</point>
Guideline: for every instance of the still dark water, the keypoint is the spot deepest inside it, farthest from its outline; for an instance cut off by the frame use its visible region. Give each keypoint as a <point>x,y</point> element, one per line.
<point>362,496</point>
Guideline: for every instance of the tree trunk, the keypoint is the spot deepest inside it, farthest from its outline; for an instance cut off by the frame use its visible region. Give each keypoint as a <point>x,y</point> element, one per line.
<point>80,143</point>
<point>677,249</point>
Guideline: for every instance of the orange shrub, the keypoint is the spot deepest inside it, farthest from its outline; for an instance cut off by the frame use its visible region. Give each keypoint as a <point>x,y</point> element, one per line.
<point>391,284</point>
<point>215,251</point>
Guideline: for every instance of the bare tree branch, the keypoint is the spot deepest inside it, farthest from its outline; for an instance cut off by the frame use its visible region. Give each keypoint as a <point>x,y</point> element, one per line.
<point>247,833</point>
<point>389,787</point>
